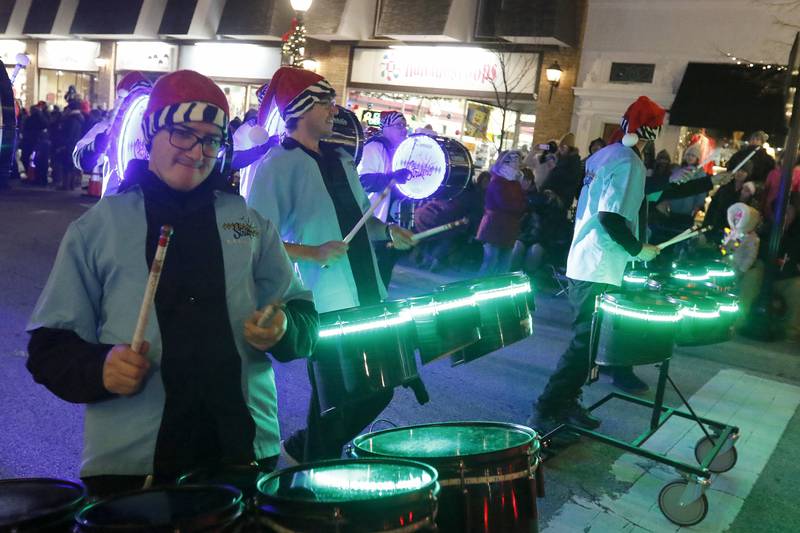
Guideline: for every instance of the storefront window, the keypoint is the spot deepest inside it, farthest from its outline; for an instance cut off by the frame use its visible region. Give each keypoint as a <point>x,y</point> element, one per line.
<point>54,84</point>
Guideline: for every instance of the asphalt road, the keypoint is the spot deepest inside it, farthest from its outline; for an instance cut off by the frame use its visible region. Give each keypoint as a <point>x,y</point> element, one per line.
<point>40,435</point>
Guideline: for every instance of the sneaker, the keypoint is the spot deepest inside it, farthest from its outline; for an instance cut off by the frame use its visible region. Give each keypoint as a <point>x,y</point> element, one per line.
<point>578,415</point>
<point>287,457</point>
<point>625,379</point>
<point>544,423</point>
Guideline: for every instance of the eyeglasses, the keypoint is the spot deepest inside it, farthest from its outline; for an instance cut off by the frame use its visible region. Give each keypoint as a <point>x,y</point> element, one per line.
<point>184,139</point>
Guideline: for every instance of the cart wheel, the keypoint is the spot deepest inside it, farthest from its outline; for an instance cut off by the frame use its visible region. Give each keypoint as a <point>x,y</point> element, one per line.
<point>722,462</point>
<point>687,515</point>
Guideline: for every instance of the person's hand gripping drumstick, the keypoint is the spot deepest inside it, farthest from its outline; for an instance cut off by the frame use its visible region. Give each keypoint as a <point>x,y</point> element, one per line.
<point>126,366</point>
<point>264,329</point>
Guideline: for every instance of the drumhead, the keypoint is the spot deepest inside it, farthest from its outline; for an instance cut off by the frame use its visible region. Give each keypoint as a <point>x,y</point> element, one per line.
<point>440,167</point>
<point>348,481</point>
<point>30,499</point>
<point>446,440</point>
<point>690,272</point>
<point>643,305</point>
<point>701,304</point>
<point>362,319</point>
<point>183,506</point>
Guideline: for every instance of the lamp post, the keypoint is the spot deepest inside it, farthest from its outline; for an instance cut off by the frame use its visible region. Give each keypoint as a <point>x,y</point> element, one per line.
<point>294,41</point>
<point>553,74</point>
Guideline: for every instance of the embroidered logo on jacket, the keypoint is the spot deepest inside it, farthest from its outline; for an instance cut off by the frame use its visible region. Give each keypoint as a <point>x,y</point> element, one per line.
<point>241,229</point>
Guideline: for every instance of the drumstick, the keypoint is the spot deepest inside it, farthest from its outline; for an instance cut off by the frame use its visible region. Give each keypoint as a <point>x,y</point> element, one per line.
<point>745,160</point>
<point>267,315</point>
<point>434,231</point>
<point>680,238</point>
<point>368,214</point>
<point>152,285</point>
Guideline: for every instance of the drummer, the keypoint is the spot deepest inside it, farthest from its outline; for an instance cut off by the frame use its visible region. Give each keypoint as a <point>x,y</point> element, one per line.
<point>602,244</point>
<point>375,172</point>
<point>311,192</point>
<point>201,392</point>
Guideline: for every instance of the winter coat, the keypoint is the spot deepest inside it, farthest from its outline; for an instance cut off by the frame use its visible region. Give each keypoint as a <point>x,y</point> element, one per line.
<point>502,213</point>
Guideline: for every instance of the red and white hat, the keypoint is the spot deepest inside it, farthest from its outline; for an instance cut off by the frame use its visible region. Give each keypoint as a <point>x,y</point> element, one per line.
<point>642,120</point>
<point>130,81</point>
<point>293,91</point>
<point>184,96</point>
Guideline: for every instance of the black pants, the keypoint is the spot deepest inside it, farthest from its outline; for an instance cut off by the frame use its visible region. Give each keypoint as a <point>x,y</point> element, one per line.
<point>325,436</point>
<point>387,259</point>
<point>105,486</point>
<point>573,368</point>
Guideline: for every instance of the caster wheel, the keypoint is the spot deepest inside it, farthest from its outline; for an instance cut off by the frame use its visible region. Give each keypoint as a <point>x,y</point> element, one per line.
<point>722,462</point>
<point>683,515</point>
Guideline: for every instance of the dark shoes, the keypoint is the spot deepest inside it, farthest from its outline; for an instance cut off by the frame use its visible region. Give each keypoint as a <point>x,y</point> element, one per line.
<point>624,378</point>
<point>578,415</point>
<point>575,414</point>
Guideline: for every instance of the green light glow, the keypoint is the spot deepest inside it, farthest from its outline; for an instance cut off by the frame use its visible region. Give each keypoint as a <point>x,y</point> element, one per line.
<point>732,308</point>
<point>331,479</point>
<point>690,277</point>
<point>639,314</point>
<point>715,273</point>
<point>634,279</point>
<point>695,313</point>
<point>408,314</point>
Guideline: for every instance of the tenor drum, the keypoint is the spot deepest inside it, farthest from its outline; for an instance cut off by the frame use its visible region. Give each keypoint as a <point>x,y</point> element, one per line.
<point>440,167</point>
<point>505,304</point>
<point>634,328</point>
<point>445,322</point>
<point>488,471</point>
<point>188,509</point>
<point>363,496</point>
<point>347,133</point>
<point>39,504</point>
<point>723,275</point>
<point>702,321</point>
<point>361,351</point>
<point>244,478</point>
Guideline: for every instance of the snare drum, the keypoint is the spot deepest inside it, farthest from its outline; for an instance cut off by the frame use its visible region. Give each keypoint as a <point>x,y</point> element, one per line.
<point>444,322</point>
<point>361,351</point>
<point>487,470</point>
<point>188,509</point>
<point>505,303</point>
<point>723,275</point>
<point>440,167</point>
<point>689,273</point>
<point>244,478</point>
<point>632,329</point>
<point>364,496</point>
<point>39,504</point>
<point>702,322</point>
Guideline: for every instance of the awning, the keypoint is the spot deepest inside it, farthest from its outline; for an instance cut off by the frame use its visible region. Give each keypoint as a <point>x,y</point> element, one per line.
<point>731,97</point>
<point>262,20</point>
<point>6,8</point>
<point>542,22</point>
<point>49,18</point>
<point>127,18</point>
<point>191,19</point>
<point>415,20</point>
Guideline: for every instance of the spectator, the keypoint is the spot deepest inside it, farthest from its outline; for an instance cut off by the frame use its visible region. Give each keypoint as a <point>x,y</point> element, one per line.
<point>567,174</point>
<point>772,186</point>
<point>727,195</point>
<point>34,125</point>
<point>541,161</point>
<point>596,145</point>
<point>71,131</point>
<point>762,162</point>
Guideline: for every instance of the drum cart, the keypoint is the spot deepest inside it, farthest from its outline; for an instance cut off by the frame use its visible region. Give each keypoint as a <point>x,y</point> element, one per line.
<point>683,501</point>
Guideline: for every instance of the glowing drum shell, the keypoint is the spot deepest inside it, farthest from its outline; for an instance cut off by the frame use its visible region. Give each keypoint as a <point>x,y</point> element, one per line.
<point>189,509</point>
<point>505,304</point>
<point>39,504</point>
<point>361,351</point>
<point>444,322</point>
<point>632,329</point>
<point>702,321</point>
<point>362,495</point>
<point>489,471</point>
<point>440,167</point>
<point>723,275</point>
<point>689,273</point>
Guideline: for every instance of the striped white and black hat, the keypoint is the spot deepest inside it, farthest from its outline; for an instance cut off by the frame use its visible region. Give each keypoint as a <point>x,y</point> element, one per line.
<point>642,120</point>
<point>293,91</point>
<point>184,96</point>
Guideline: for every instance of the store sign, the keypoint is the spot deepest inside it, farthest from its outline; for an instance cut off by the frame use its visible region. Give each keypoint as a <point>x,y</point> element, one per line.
<point>69,55</point>
<point>446,67</point>
<point>146,56</point>
<point>371,117</point>
<point>477,123</point>
<point>231,60</point>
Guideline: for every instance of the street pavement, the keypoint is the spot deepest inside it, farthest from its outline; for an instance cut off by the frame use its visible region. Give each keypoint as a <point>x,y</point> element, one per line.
<point>590,487</point>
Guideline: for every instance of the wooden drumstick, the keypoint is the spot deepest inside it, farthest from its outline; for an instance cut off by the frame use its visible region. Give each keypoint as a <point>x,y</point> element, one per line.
<point>349,237</point>
<point>682,237</point>
<point>434,231</point>
<point>152,285</point>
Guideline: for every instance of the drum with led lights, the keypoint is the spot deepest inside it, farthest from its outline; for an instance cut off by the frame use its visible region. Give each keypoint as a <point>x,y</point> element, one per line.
<point>689,273</point>
<point>359,495</point>
<point>127,137</point>
<point>702,321</point>
<point>723,275</point>
<point>190,508</point>
<point>444,322</point>
<point>641,280</point>
<point>39,504</point>
<point>634,328</point>
<point>505,304</point>
<point>489,471</point>
<point>361,351</point>
<point>440,167</point>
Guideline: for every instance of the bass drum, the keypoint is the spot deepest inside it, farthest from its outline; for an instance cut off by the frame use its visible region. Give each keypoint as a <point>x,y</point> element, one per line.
<point>127,138</point>
<point>440,167</point>
<point>347,133</point>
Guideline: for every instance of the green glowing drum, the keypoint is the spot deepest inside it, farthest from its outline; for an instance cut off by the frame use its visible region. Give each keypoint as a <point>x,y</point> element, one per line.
<point>489,471</point>
<point>720,330</point>
<point>702,321</point>
<point>689,273</point>
<point>444,322</point>
<point>361,351</point>
<point>723,275</point>
<point>634,328</point>
<point>640,280</point>
<point>189,509</point>
<point>243,477</point>
<point>39,504</point>
<point>362,495</point>
<point>505,303</point>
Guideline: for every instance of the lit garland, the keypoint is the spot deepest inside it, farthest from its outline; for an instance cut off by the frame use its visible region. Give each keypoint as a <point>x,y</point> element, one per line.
<point>754,64</point>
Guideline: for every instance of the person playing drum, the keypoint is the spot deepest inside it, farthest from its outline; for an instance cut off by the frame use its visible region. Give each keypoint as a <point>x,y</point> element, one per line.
<point>602,244</point>
<point>201,391</point>
<point>375,172</point>
<point>312,194</point>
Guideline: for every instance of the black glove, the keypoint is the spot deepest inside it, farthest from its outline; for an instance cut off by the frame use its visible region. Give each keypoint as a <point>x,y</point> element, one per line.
<point>101,141</point>
<point>400,175</point>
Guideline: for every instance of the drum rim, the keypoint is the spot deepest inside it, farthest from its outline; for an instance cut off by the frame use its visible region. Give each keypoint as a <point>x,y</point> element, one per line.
<point>447,161</point>
<point>82,521</point>
<point>534,442</point>
<point>707,301</point>
<point>618,298</point>
<point>419,494</point>
<point>43,514</point>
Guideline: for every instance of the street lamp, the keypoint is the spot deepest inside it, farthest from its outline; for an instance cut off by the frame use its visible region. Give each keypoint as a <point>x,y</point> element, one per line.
<point>294,40</point>
<point>301,6</point>
<point>553,74</point>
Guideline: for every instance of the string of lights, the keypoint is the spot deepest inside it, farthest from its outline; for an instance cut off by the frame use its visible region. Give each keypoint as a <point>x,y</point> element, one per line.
<point>739,60</point>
